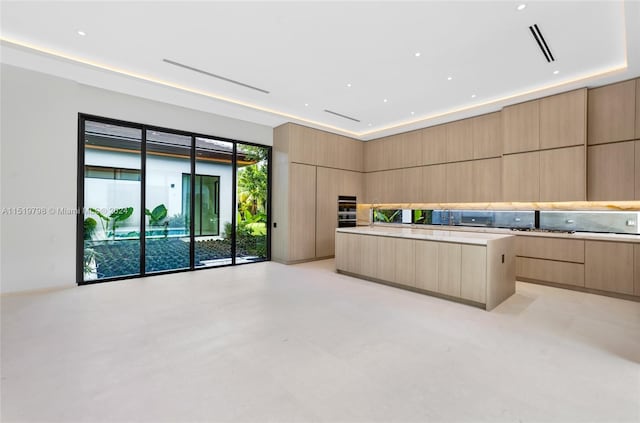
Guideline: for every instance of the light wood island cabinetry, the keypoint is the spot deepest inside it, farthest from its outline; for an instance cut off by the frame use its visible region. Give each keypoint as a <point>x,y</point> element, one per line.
<point>477,269</point>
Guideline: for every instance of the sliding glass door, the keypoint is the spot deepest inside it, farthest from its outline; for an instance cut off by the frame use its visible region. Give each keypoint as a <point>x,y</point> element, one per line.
<point>155,200</point>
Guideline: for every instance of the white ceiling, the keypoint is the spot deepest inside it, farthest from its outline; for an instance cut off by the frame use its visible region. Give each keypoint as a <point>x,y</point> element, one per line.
<point>307,53</point>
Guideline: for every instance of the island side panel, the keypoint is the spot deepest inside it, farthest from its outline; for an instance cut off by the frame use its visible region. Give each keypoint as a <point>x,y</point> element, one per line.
<point>501,277</point>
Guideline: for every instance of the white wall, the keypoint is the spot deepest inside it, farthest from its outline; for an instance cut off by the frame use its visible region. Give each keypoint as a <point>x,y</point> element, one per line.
<point>38,157</point>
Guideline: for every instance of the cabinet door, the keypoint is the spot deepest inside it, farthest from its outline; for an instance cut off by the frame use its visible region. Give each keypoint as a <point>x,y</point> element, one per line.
<point>637,170</point>
<point>609,266</point>
<point>473,273</point>
<point>302,212</point>
<point>563,119</point>
<point>411,185</point>
<point>487,136</point>
<point>434,184</point>
<point>563,175</point>
<point>426,263</point>
<point>521,127</point>
<point>521,177</point>
<point>637,108</point>
<point>350,154</point>
<point>611,113</point>
<point>372,155</point>
<point>374,185</point>
<point>487,180</point>
<point>434,145</point>
<point>550,271</point>
<point>460,182</point>
<point>367,253</point>
<point>610,172</point>
<point>393,151</point>
<point>411,149</point>
<point>386,262</point>
<point>636,270</point>
<point>550,248</point>
<point>449,256</point>
<point>405,256</point>
<point>326,207</point>
<point>459,140</point>
<point>303,144</point>
<point>343,252</point>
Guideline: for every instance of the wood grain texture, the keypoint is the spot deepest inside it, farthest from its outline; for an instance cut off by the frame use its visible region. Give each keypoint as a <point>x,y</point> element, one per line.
<point>501,274</point>
<point>637,170</point>
<point>459,140</point>
<point>550,248</point>
<point>460,184</point>
<point>521,127</point>
<point>563,119</point>
<point>303,144</point>
<point>426,265</point>
<point>611,113</point>
<point>473,273</point>
<point>611,172</point>
<point>487,180</point>
<point>372,156</point>
<point>405,261</point>
<point>386,261</point>
<point>412,184</point>
<point>280,194</point>
<point>636,270</point>
<point>449,256</point>
<point>366,250</point>
<point>563,174</point>
<point>434,145</point>
<point>637,108</point>
<point>434,183</point>
<point>609,266</point>
<point>302,212</point>
<point>550,271</point>
<point>521,177</point>
<point>487,135</point>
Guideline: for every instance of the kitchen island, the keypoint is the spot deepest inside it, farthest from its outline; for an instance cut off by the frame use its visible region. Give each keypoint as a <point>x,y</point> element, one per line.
<point>473,268</point>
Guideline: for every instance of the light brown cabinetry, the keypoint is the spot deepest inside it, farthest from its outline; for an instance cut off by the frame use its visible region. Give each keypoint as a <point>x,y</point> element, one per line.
<point>459,182</point>
<point>330,184</point>
<point>563,174</point>
<point>386,258</point>
<point>449,259</point>
<point>357,254</point>
<point>434,145</point>
<point>554,260</point>
<point>426,265</point>
<point>550,271</point>
<point>550,248</point>
<point>487,180</point>
<point>636,269</point>
<point>396,260</point>
<point>611,171</point>
<point>303,144</point>
<point>611,113</point>
<point>637,108</point>
<point>459,140</point>
<point>487,136</point>
<point>637,170</point>
<point>521,127</point>
<point>609,266</point>
<point>521,177</point>
<point>563,119</point>
<point>434,184</point>
<point>473,273</point>
<point>411,148</point>
<point>302,212</point>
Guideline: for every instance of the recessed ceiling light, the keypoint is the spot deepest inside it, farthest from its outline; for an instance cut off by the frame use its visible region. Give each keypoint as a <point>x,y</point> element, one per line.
<point>81,33</point>
<point>473,96</point>
<point>349,85</point>
<point>521,7</point>
<point>385,100</point>
<point>555,72</point>
<point>449,78</point>
<point>306,104</point>
<point>413,113</point>
<point>370,124</point>
<point>417,54</point>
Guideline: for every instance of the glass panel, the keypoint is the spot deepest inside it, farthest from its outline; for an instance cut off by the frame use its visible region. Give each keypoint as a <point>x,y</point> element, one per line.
<point>251,197</point>
<point>112,205</point>
<point>387,215</point>
<point>212,202</point>
<point>166,227</point>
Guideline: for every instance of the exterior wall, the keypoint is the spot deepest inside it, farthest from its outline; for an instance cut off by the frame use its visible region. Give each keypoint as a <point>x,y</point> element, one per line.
<point>38,157</point>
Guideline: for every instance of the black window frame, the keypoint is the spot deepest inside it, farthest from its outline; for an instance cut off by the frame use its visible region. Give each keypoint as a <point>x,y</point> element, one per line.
<point>83,117</point>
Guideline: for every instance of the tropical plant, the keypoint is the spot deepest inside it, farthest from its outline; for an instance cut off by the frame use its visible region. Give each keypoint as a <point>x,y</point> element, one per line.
<point>89,261</point>
<point>89,228</point>
<point>387,216</point>
<point>118,215</point>
<point>252,188</point>
<point>156,215</point>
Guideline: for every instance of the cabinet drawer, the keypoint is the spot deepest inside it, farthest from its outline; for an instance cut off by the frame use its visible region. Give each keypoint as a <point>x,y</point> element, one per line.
<point>550,271</point>
<point>550,248</point>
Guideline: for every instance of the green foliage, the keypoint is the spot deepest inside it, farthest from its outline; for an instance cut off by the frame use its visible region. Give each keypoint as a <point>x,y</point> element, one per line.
<point>119,215</point>
<point>89,227</point>
<point>387,216</point>
<point>177,221</point>
<point>252,188</point>
<point>157,215</point>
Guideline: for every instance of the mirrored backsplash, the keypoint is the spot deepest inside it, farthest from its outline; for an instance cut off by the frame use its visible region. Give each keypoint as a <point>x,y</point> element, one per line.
<point>563,221</point>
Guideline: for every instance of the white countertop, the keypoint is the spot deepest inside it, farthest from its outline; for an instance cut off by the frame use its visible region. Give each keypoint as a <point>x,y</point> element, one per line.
<point>458,237</point>
<point>593,236</point>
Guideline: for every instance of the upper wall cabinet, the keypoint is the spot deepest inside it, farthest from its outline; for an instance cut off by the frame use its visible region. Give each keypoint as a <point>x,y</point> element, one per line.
<point>303,144</point>
<point>563,119</point>
<point>637,108</point>
<point>487,136</point>
<point>521,127</point>
<point>563,174</point>
<point>459,140</point>
<point>411,145</point>
<point>521,177</point>
<point>610,171</point>
<point>434,145</point>
<point>612,113</point>
<point>320,148</point>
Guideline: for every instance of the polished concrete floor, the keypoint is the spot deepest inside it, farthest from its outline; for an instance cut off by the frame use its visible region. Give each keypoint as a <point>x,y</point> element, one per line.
<point>271,343</point>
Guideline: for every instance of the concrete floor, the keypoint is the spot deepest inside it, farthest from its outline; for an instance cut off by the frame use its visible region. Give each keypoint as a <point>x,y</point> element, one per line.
<point>267,342</point>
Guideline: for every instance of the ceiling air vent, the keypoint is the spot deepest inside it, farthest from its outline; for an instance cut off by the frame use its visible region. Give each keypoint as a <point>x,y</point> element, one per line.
<point>535,31</point>
<point>342,116</point>
<point>171,62</point>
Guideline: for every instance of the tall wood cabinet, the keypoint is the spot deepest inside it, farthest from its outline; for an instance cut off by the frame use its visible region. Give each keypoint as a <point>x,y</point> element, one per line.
<point>612,113</point>
<point>310,169</point>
